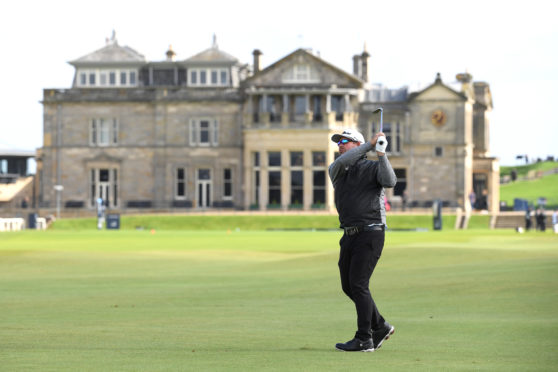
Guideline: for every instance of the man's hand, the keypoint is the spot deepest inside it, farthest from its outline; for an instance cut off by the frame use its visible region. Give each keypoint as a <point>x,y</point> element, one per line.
<point>374,141</point>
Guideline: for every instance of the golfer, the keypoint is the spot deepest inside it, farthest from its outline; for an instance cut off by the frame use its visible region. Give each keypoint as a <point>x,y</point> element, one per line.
<point>359,197</point>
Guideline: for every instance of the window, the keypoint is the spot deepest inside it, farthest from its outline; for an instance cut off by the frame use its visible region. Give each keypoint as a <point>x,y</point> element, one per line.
<point>296,158</point>
<point>297,187</point>
<point>107,78</point>
<point>227,184</point>
<point>319,187</point>
<point>274,159</point>
<point>300,73</point>
<point>318,178</point>
<point>337,107</point>
<point>317,108</point>
<point>274,178</point>
<point>393,135</point>
<point>401,185</point>
<point>256,107</point>
<point>103,132</point>
<point>272,106</point>
<point>180,181</point>
<point>209,77</point>
<point>204,132</point>
<point>256,179</point>
<point>112,78</point>
<point>297,177</point>
<point>256,157</point>
<point>318,159</point>
<point>439,151</point>
<point>274,181</point>
<point>256,196</point>
<point>298,109</point>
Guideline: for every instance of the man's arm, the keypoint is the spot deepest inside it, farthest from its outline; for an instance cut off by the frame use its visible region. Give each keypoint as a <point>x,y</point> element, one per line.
<point>337,168</point>
<point>386,176</point>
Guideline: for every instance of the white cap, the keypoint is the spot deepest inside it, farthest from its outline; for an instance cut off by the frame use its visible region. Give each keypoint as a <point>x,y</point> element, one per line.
<point>351,134</point>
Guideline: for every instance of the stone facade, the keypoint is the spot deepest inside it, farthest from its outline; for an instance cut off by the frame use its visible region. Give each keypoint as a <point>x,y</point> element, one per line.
<point>209,132</point>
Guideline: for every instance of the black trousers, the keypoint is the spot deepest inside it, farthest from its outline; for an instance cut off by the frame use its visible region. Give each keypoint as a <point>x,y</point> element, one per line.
<point>357,259</point>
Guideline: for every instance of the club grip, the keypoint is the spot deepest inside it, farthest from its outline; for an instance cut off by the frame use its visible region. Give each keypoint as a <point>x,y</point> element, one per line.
<point>381,145</point>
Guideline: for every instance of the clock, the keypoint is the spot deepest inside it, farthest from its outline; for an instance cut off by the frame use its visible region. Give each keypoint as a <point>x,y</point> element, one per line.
<point>439,118</point>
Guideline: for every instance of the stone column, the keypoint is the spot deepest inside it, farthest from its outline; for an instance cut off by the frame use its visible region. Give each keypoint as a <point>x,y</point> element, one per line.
<point>285,113</point>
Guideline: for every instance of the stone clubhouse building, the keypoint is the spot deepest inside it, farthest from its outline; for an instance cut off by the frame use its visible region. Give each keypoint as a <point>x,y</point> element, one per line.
<point>209,132</point>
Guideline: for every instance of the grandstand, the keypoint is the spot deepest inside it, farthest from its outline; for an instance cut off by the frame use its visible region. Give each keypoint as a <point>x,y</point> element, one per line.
<point>16,184</point>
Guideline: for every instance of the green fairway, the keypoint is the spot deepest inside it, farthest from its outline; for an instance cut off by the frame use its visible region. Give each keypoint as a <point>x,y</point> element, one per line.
<point>229,300</point>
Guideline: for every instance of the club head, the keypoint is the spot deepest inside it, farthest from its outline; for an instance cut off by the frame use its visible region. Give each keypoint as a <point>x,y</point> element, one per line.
<point>378,110</point>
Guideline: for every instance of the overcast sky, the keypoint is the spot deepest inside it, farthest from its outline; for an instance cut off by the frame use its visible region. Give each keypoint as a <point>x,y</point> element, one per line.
<point>510,45</point>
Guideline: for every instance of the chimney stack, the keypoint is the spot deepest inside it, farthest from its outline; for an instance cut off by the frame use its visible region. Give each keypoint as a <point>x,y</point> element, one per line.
<point>357,66</point>
<point>170,54</point>
<point>364,60</point>
<point>257,60</point>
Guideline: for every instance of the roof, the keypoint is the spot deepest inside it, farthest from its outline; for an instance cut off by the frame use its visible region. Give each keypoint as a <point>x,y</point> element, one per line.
<point>437,82</point>
<point>212,55</point>
<point>351,77</point>
<point>7,151</point>
<point>379,93</point>
<point>110,54</point>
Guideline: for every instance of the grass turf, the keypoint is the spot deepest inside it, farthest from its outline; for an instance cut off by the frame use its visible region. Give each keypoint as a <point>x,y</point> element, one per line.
<point>253,300</point>
<point>256,222</point>
<point>532,190</point>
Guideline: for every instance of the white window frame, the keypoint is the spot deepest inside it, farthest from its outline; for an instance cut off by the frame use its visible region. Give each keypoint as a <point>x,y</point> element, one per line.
<point>320,168</point>
<point>177,181</point>
<point>256,159</point>
<point>222,81</point>
<point>296,168</point>
<point>99,128</point>
<point>195,132</point>
<point>275,168</point>
<point>102,78</point>
<point>300,73</point>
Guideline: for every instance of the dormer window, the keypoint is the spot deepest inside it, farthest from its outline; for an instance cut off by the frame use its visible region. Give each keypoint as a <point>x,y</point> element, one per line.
<point>208,77</point>
<point>106,78</point>
<point>300,73</point>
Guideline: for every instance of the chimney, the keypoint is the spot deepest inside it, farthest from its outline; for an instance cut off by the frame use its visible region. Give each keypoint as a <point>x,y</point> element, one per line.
<point>357,66</point>
<point>170,54</point>
<point>257,60</point>
<point>364,60</point>
<point>465,79</point>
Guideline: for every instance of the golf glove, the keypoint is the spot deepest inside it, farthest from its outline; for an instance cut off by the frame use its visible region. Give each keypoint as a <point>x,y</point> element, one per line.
<point>381,145</point>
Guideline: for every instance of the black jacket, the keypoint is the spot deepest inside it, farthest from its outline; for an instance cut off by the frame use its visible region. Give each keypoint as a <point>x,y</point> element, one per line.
<point>359,186</point>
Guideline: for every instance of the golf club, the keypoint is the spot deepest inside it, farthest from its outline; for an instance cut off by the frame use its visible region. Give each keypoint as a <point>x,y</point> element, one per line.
<point>382,141</point>
<point>381,111</point>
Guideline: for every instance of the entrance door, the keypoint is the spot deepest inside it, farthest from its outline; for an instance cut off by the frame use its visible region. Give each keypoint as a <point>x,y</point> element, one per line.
<point>104,186</point>
<point>203,188</point>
